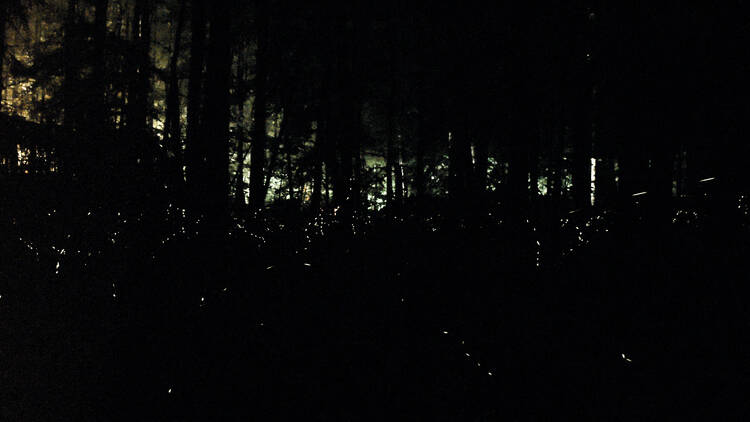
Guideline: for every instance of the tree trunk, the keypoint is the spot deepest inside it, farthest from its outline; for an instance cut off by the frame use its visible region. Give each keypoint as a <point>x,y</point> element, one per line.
<point>359,163</point>
<point>239,177</point>
<point>605,182</point>
<point>99,104</point>
<point>289,169</point>
<point>419,175</point>
<point>399,177</point>
<point>390,153</point>
<point>3,18</point>
<point>71,108</point>
<point>317,174</point>
<point>219,71</point>
<point>518,167</point>
<point>481,155</point>
<point>258,151</point>
<point>660,181</point>
<point>239,182</point>
<point>172,113</point>
<point>270,167</point>
<point>139,90</point>
<point>194,151</point>
<point>582,163</point>
<point>460,164</point>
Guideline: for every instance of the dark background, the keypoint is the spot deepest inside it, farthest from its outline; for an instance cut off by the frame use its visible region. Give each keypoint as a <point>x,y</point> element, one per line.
<point>373,211</point>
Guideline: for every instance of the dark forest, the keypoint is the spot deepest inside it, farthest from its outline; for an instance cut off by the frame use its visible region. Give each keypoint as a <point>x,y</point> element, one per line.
<point>392,210</point>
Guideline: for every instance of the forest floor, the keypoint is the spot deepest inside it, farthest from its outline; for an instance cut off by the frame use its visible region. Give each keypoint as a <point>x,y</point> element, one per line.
<point>104,319</point>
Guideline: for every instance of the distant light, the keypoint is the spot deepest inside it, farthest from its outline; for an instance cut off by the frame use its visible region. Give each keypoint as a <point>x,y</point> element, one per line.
<point>639,193</point>
<point>445,332</point>
<point>307,265</point>
<point>489,373</point>
<point>467,355</point>
<point>169,391</point>
<point>708,179</point>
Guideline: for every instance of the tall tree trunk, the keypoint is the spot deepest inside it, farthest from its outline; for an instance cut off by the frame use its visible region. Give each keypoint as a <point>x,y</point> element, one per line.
<point>350,149</point>
<point>71,107</point>
<point>660,180</point>
<point>481,154</point>
<point>419,174</point>
<point>270,167</point>
<point>460,163</point>
<point>289,168</point>
<point>99,104</point>
<point>3,22</point>
<point>518,166</point>
<point>343,195</point>
<point>399,177</point>
<point>605,182</point>
<point>139,90</point>
<point>194,150</point>
<point>219,71</point>
<point>582,163</point>
<point>275,148</point>
<point>239,176</point>
<point>315,198</point>
<point>172,113</point>
<point>359,165</point>
<point>239,182</point>
<point>258,150</point>
<point>390,152</point>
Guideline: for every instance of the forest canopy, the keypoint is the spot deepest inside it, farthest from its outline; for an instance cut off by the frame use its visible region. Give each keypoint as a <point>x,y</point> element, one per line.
<point>229,107</point>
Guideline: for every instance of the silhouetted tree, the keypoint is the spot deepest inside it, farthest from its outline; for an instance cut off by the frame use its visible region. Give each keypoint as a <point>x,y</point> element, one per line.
<point>194,147</point>
<point>139,91</point>
<point>172,130</point>
<point>258,150</point>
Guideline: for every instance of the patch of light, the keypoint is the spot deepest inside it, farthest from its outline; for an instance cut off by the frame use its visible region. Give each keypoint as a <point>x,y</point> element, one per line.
<point>567,182</point>
<point>541,185</point>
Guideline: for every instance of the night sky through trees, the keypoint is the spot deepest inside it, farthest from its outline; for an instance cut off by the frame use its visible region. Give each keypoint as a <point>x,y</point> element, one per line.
<point>267,210</point>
